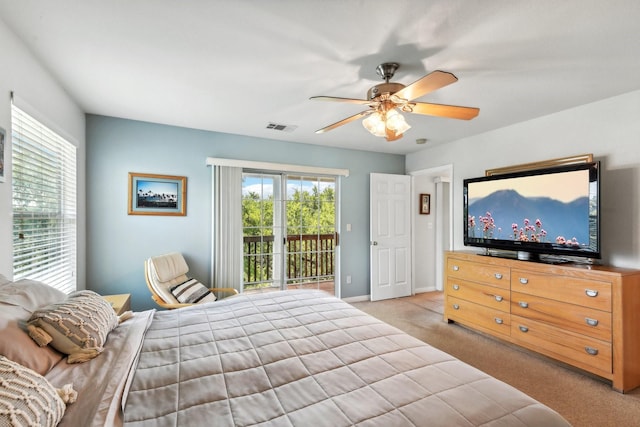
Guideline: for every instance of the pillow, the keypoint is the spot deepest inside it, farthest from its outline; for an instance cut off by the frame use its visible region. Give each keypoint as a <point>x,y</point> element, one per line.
<point>4,280</point>
<point>27,398</point>
<point>29,294</point>
<point>16,344</point>
<point>192,292</point>
<point>78,326</point>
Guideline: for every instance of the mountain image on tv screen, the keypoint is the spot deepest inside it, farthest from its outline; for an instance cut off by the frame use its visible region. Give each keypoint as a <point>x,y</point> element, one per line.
<point>544,209</point>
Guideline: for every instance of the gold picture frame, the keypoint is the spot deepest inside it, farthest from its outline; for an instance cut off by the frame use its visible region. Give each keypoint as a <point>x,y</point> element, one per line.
<point>581,158</point>
<point>152,194</point>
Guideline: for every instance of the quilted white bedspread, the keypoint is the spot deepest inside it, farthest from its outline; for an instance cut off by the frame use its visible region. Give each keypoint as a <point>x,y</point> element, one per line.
<point>304,358</point>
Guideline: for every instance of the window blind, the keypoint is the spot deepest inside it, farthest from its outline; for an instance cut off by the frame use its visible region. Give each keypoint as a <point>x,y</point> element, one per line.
<point>44,203</point>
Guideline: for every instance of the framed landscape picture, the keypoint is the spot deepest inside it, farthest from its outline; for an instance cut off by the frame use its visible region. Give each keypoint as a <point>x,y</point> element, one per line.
<point>151,194</point>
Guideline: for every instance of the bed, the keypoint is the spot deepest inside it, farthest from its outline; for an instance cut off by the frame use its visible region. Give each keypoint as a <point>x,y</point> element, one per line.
<point>287,358</point>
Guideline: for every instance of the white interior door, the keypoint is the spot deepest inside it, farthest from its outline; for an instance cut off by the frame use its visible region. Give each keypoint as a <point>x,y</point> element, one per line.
<point>390,222</point>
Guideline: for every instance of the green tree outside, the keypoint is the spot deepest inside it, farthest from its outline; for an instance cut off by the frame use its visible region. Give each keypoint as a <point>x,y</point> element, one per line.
<point>308,213</point>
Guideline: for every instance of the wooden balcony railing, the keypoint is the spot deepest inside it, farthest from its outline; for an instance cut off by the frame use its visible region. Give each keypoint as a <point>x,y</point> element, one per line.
<point>309,256</point>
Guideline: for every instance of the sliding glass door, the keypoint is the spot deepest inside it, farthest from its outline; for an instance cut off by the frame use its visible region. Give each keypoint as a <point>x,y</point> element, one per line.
<point>289,231</point>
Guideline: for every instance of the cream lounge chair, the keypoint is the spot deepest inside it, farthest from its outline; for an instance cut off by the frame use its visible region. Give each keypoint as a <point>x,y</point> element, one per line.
<point>170,287</point>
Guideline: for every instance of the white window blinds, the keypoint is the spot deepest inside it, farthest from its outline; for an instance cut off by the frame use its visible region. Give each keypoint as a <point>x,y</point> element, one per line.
<point>44,203</point>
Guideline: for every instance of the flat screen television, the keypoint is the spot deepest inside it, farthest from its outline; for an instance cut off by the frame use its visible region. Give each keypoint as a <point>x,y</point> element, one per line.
<point>553,211</point>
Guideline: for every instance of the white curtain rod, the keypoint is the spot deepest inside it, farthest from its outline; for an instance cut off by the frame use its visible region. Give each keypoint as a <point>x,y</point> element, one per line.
<point>267,166</point>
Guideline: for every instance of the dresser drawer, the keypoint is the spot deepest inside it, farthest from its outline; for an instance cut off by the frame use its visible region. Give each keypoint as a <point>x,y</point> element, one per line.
<point>494,275</point>
<point>587,293</point>
<point>582,320</point>
<point>477,316</point>
<point>570,347</point>
<point>490,296</point>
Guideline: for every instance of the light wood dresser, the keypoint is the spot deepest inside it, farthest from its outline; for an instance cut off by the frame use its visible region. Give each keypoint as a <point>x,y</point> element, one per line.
<point>584,315</point>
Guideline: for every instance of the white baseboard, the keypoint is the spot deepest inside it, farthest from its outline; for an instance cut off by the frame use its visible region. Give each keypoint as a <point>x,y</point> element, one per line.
<point>425,289</point>
<point>359,298</point>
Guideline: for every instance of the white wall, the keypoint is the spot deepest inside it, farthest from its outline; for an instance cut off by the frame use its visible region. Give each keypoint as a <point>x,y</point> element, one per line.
<point>424,236</point>
<point>609,129</point>
<point>33,85</point>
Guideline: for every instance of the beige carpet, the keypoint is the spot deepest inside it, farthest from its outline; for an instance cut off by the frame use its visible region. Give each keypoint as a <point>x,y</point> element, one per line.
<point>584,400</point>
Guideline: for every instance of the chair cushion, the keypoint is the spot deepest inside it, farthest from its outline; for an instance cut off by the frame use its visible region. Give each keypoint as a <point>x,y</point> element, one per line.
<point>192,292</point>
<point>168,267</point>
<point>165,271</point>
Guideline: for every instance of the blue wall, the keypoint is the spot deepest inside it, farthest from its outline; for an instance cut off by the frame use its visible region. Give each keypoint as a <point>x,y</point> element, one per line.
<point>118,244</point>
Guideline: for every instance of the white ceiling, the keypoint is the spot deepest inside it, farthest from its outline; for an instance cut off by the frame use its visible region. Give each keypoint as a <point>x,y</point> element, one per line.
<point>235,66</point>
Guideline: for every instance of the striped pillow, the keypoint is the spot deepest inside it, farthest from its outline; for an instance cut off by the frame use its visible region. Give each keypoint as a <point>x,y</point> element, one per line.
<point>192,292</point>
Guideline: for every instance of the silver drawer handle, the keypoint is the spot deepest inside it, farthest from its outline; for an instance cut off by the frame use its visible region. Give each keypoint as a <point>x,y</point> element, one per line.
<point>591,293</point>
<point>456,287</point>
<point>456,307</point>
<point>523,304</point>
<point>498,320</point>
<point>524,280</point>
<point>498,298</point>
<point>523,328</point>
<point>592,351</point>
<point>456,268</point>
<point>591,322</point>
<point>498,276</point>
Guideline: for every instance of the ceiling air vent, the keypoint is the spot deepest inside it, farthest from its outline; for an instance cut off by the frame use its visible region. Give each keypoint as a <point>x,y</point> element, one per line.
<point>281,127</point>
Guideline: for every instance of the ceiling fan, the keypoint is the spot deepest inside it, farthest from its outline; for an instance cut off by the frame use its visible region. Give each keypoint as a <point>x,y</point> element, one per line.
<point>385,100</point>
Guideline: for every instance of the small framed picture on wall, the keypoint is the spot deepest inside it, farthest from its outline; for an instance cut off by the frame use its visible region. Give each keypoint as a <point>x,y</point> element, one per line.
<point>425,204</point>
<point>2,137</point>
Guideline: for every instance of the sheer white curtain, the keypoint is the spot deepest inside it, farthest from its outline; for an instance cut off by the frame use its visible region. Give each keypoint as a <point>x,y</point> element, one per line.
<point>227,268</point>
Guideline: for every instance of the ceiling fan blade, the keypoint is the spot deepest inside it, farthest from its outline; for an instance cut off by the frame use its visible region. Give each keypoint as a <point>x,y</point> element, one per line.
<point>345,121</point>
<point>450,111</point>
<point>432,81</point>
<point>337,99</point>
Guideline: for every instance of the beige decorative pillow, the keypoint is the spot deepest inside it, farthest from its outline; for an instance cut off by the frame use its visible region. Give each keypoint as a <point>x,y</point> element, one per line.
<point>79,326</point>
<point>27,398</point>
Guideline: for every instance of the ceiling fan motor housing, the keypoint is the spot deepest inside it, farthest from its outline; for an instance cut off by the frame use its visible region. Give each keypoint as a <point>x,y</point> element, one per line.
<point>382,88</point>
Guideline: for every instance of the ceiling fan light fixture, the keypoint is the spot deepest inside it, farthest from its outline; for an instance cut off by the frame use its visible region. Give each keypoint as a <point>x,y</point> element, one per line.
<point>396,122</point>
<point>382,124</point>
<point>375,124</point>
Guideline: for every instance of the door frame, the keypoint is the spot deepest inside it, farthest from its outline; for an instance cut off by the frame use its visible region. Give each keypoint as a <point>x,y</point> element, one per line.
<point>443,173</point>
<point>280,256</point>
